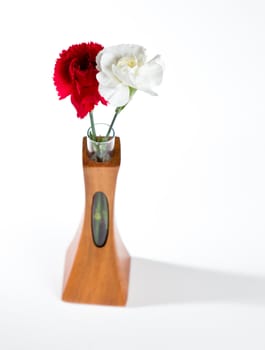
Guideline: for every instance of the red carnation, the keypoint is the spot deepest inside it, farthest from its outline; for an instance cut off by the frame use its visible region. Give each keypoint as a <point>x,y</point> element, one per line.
<point>75,74</point>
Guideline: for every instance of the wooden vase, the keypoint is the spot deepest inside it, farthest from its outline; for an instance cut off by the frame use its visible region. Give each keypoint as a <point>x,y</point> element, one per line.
<point>93,274</point>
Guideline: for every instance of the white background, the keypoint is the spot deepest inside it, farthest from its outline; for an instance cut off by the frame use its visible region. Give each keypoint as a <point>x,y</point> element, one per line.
<point>190,197</point>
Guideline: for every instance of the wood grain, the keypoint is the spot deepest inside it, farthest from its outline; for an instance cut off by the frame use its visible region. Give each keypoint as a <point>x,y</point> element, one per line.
<point>97,275</point>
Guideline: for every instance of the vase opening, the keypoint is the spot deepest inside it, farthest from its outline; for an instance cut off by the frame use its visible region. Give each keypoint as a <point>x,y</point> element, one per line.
<point>100,147</point>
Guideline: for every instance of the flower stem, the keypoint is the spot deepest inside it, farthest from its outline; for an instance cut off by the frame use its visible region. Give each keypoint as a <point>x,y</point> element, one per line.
<point>92,125</point>
<point>117,111</point>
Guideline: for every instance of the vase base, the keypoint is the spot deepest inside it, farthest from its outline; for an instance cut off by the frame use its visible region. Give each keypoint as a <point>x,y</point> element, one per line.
<point>96,275</point>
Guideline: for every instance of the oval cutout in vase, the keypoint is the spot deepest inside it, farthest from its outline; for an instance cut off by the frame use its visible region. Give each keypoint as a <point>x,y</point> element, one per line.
<point>100,219</point>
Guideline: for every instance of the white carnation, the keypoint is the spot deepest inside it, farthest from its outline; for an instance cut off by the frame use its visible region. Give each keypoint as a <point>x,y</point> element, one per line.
<point>123,67</point>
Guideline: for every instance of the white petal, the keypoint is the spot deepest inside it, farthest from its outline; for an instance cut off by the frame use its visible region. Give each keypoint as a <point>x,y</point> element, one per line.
<point>112,54</point>
<point>107,80</point>
<point>127,50</point>
<point>125,75</point>
<point>104,62</point>
<point>117,96</point>
<point>149,75</point>
<point>98,59</point>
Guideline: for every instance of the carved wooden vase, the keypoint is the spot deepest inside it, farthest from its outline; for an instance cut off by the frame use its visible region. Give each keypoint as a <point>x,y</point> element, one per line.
<point>97,264</point>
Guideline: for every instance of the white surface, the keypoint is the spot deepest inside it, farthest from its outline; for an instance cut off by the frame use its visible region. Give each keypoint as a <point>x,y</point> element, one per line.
<point>190,196</point>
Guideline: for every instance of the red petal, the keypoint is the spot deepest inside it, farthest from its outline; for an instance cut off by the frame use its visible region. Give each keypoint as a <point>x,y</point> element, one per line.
<point>75,75</point>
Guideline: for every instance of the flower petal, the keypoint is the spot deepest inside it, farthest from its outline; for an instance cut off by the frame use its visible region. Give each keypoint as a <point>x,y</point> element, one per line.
<point>104,61</point>
<point>149,75</point>
<point>107,80</point>
<point>125,75</point>
<point>117,96</point>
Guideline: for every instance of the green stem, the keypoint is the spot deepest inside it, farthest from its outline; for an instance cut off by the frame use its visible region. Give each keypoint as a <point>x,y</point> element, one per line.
<point>92,125</point>
<point>117,111</point>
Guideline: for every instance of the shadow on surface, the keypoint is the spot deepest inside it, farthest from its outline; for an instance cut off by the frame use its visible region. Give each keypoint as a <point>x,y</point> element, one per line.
<point>157,283</point>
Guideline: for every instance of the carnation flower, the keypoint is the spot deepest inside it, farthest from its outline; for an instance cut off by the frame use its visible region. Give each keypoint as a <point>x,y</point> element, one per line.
<point>91,74</point>
<point>123,69</point>
<point>75,75</point>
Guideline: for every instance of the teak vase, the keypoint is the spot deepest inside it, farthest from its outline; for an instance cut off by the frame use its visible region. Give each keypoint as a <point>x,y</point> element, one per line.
<point>97,274</point>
